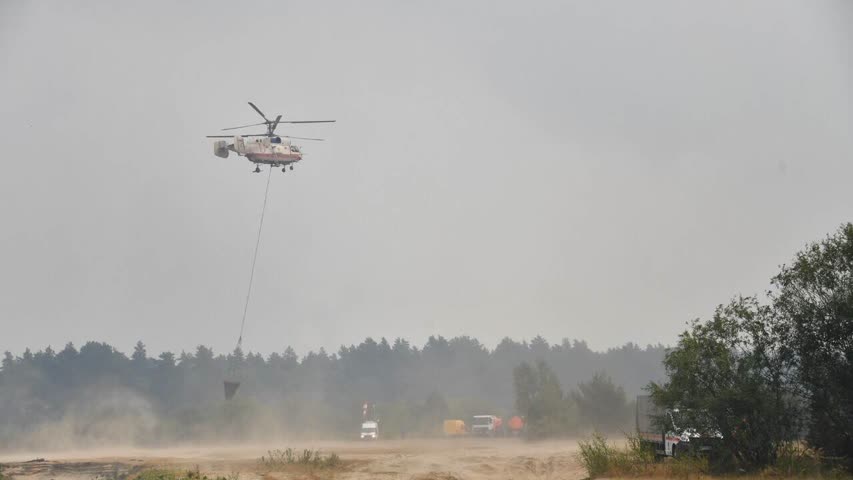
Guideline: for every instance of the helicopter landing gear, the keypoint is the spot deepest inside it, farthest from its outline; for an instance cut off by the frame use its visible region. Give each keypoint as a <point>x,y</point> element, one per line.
<point>257,169</point>
<point>283,169</point>
<point>291,167</point>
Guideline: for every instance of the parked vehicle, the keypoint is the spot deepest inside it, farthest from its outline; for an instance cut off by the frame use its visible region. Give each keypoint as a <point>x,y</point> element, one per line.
<point>455,428</point>
<point>515,425</point>
<point>666,432</point>
<point>486,425</point>
<point>370,430</point>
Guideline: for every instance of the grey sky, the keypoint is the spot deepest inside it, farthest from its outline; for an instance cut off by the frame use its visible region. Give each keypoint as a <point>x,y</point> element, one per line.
<point>597,170</point>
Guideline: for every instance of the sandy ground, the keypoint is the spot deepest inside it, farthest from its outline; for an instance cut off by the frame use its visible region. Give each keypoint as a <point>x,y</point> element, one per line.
<point>439,459</point>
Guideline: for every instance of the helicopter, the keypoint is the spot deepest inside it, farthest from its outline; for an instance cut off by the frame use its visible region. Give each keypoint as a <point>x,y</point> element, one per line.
<point>264,148</point>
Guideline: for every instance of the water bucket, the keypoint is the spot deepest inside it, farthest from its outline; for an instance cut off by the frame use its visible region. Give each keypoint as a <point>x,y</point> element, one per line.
<point>230,389</point>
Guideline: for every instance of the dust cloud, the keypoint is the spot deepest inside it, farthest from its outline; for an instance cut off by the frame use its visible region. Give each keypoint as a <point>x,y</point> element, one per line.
<point>422,459</point>
<point>96,418</point>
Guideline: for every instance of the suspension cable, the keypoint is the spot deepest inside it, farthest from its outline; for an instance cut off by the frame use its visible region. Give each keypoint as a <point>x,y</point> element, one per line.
<point>254,260</point>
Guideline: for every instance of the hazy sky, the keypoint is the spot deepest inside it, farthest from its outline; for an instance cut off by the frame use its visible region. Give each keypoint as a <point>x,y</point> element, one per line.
<point>595,170</point>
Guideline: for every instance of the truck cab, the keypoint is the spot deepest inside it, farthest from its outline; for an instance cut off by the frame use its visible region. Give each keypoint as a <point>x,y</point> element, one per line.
<point>486,425</point>
<point>369,431</point>
<point>665,430</point>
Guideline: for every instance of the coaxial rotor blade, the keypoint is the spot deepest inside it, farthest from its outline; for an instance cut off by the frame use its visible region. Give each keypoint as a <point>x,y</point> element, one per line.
<point>259,112</point>
<point>232,136</point>
<point>275,123</point>
<point>307,121</point>
<point>244,126</point>
<point>302,138</point>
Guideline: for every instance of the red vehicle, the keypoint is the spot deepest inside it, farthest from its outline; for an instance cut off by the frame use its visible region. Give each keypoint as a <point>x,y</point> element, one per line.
<point>515,425</point>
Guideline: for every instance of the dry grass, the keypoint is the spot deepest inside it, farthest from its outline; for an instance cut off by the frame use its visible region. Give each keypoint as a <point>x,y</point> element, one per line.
<point>278,459</point>
<point>306,464</point>
<point>602,459</point>
<point>161,474</point>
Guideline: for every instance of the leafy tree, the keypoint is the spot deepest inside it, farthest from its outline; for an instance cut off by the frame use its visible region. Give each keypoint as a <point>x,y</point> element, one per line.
<point>435,407</point>
<point>431,414</point>
<point>8,362</point>
<point>139,354</point>
<point>602,404</point>
<point>540,398</point>
<point>815,299</point>
<point>526,385</point>
<point>730,376</point>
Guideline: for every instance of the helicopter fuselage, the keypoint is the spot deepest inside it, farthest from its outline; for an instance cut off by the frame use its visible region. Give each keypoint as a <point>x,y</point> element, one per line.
<point>265,150</point>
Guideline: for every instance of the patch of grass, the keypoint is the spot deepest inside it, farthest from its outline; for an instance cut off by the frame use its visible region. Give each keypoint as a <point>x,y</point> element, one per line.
<point>794,460</point>
<point>685,465</point>
<point>195,474</point>
<point>156,474</point>
<point>600,458</point>
<point>278,459</point>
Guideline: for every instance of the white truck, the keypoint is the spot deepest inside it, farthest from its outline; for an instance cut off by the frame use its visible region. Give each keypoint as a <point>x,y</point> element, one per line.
<point>664,431</point>
<point>486,425</point>
<point>370,430</point>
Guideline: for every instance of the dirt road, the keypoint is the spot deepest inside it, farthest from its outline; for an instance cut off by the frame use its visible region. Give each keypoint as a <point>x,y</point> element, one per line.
<point>439,459</point>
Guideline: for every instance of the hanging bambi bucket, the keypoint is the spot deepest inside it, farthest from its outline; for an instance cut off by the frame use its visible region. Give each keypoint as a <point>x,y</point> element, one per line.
<point>230,389</point>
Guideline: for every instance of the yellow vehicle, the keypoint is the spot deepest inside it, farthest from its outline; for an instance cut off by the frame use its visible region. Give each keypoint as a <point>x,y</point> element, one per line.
<point>454,428</point>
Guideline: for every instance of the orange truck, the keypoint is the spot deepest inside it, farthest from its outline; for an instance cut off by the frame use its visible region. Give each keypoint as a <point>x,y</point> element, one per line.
<point>515,425</point>
<point>455,428</point>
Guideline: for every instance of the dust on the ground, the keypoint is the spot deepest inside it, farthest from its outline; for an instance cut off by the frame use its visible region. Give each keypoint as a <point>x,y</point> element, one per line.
<point>433,459</point>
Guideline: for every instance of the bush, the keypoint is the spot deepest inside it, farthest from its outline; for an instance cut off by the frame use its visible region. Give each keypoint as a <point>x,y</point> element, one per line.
<point>277,459</point>
<point>635,460</point>
<point>596,455</point>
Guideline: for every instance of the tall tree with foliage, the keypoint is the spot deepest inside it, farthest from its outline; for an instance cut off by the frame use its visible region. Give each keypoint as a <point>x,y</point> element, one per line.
<point>731,376</point>
<point>602,404</point>
<point>814,297</point>
<point>539,397</point>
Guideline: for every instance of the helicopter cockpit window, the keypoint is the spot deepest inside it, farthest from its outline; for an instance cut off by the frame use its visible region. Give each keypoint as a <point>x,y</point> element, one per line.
<point>294,148</point>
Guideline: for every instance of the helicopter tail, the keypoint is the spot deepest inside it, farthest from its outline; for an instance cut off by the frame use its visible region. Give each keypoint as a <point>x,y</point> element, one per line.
<point>220,148</point>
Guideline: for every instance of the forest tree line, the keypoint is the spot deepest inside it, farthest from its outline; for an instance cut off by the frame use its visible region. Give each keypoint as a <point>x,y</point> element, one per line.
<point>97,393</point>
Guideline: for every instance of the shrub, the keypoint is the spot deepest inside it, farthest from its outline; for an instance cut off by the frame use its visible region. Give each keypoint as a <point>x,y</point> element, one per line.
<point>276,459</point>
<point>596,455</point>
<point>636,459</point>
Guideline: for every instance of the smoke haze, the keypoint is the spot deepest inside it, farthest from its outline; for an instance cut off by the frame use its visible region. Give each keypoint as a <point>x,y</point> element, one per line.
<point>594,170</point>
